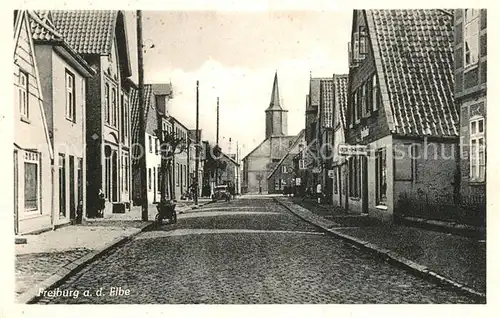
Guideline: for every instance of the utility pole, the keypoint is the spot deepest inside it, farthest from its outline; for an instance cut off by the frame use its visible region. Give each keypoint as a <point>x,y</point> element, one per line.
<point>142,128</point>
<point>217,143</point>
<point>197,159</point>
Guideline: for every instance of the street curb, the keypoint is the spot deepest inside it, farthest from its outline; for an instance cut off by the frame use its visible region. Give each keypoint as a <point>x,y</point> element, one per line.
<point>394,258</point>
<point>31,295</point>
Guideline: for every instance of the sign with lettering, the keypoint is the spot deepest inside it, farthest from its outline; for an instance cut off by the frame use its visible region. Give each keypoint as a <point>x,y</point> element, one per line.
<point>353,150</point>
<point>365,132</point>
<point>331,174</point>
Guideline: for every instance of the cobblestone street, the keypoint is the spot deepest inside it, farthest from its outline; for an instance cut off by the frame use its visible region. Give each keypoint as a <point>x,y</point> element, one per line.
<point>251,250</point>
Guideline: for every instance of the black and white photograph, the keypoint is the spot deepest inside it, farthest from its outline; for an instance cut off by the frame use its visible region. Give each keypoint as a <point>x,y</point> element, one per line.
<point>249,156</point>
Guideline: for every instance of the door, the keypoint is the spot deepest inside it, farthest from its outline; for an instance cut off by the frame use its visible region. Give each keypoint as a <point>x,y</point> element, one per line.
<point>114,177</point>
<point>364,185</point>
<point>16,194</point>
<point>72,189</point>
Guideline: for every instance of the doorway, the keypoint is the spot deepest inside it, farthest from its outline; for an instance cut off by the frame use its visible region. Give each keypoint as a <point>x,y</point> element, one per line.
<point>16,194</point>
<point>364,185</point>
<point>72,196</point>
<point>114,176</point>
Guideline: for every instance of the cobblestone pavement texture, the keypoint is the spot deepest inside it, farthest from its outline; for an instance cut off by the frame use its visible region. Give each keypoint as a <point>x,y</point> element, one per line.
<point>45,253</point>
<point>284,260</point>
<point>460,258</point>
<point>32,269</point>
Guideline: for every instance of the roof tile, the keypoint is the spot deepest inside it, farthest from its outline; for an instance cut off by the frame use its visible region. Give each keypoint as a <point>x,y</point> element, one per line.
<point>87,31</point>
<point>416,51</point>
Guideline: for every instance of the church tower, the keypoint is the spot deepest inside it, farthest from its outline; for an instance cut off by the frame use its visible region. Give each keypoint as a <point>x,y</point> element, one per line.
<point>276,117</point>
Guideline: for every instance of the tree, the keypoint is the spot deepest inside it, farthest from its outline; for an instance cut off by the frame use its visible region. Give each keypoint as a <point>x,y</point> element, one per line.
<point>170,145</point>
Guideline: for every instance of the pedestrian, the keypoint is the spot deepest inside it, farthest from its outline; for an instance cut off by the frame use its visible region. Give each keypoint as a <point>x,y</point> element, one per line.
<point>101,204</point>
<point>318,192</point>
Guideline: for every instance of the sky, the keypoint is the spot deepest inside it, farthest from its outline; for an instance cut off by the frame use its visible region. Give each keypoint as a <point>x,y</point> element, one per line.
<point>234,56</point>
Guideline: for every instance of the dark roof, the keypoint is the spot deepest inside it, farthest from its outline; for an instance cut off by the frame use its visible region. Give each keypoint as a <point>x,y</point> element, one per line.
<point>44,31</point>
<point>134,110</point>
<point>326,102</point>
<point>93,32</point>
<point>340,96</point>
<point>296,141</point>
<point>42,27</point>
<point>415,48</point>
<point>162,89</point>
<point>275,96</point>
<point>231,159</point>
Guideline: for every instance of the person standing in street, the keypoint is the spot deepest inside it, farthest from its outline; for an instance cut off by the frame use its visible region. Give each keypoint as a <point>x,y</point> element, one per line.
<point>318,192</point>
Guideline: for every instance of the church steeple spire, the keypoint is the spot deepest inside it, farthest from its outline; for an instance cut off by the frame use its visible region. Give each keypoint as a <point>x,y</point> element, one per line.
<point>275,95</point>
<point>276,116</point>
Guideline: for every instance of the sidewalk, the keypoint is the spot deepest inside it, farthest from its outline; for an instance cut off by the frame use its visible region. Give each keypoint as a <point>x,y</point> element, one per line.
<point>448,259</point>
<point>49,257</point>
<point>135,212</point>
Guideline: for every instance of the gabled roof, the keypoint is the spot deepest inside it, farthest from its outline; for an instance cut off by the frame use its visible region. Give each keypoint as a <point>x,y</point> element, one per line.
<point>43,31</point>
<point>326,88</point>
<point>414,52</point>
<point>231,159</point>
<point>93,31</point>
<point>295,143</point>
<point>340,96</point>
<point>134,109</point>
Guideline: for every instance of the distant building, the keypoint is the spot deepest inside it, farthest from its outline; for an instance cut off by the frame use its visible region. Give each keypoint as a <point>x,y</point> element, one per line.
<point>470,95</point>
<point>401,107</point>
<point>284,173</point>
<point>260,161</point>
<point>339,163</point>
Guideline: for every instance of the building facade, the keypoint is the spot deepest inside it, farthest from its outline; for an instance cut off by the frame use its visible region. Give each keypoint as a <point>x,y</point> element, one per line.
<point>180,163</point>
<point>470,49</point>
<point>32,149</point>
<point>261,160</point>
<point>65,74</point>
<point>284,173</point>
<point>107,98</point>
<point>339,163</point>
<point>401,109</point>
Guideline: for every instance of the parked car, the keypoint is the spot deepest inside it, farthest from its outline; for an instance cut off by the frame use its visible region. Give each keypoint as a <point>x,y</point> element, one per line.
<point>221,192</point>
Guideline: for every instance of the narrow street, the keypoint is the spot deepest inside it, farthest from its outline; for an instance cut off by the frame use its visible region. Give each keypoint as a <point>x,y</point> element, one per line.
<point>251,250</point>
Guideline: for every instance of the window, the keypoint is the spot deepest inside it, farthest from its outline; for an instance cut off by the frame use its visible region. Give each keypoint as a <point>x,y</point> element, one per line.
<point>477,150</point>
<point>127,172</point>
<point>363,41</point>
<point>471,37</point>
<point>364,104</point>
<point>157,144</point>
<point>114,107</point>
<point>178,174</point>
<point>62,185</point>
<point>23,94</point>
<point>185,175</point>
<point>122,118</point>
<point>150,139</point>
<point>31,181</point>
<point>106,103</point>
<point>380,177</point>
<point>283,169</point>
<point>125,127</point>
<point>70,96</point>
<point>375,93</point>
<point>159,178</point>
<point>149,178</point>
